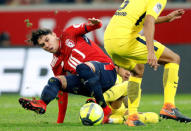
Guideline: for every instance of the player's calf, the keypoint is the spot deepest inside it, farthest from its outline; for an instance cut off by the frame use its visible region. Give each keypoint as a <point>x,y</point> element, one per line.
<point>107,112</point>
<point>50,91</point>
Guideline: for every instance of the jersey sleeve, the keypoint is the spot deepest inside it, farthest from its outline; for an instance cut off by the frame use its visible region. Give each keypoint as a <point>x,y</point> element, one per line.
<point>57,67</point>
<point>81,29</point>
<point>58,70</point>
<point>155,7</point>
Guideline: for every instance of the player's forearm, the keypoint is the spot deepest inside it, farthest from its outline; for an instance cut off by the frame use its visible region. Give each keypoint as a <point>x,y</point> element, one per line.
<point>162,19</point>
<point>149,29</point>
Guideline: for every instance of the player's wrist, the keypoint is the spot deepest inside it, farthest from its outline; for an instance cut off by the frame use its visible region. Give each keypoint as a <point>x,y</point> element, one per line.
<point>169,17</point>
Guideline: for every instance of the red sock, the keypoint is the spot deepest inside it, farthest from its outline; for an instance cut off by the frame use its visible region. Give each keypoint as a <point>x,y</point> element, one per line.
<point>62,106</point>
<point>107,113</point>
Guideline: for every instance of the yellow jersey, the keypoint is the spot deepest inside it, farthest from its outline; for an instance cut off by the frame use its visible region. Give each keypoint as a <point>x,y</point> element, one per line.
<point>128,20</point>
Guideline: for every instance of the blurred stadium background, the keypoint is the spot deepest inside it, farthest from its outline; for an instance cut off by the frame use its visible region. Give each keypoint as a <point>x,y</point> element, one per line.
<point>24,70</point>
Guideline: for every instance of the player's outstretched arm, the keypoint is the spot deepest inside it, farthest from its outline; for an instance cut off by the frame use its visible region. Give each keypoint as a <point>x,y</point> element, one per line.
<point>149,28</point>
<point>83,28</point>
<point>176,14</point>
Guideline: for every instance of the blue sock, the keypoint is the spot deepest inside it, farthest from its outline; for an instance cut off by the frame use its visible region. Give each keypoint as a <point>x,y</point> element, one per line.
<point>50,91</point>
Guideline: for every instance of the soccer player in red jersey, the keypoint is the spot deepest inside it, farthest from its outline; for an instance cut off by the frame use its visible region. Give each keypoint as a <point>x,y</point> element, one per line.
<point>91,71</point>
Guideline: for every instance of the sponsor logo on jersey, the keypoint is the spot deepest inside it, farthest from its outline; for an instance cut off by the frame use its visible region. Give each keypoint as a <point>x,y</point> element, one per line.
<point>69,43</point>
<point>158,8</point>
<point>120,13</point>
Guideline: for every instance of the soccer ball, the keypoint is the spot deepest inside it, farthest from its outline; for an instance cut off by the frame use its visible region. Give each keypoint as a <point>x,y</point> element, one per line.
<point>149,117</point>
<point>91,114</point>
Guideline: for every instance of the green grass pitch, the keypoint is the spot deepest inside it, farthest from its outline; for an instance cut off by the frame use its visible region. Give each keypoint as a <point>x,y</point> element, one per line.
<point>15,118</point>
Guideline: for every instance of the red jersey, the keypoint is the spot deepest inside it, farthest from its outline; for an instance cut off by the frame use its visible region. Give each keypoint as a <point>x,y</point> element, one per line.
<point>76,48</point>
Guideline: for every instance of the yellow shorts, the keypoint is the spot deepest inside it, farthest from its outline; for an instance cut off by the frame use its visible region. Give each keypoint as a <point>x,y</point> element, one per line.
<point>129,52</point>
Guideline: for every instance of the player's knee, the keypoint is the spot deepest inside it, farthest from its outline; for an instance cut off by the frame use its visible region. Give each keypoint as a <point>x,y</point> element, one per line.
<point>54,81</point>
<point>176,58</point>
<point>169,56</point>
<point>63,81</point>
<point>53,85</point>
<point>117,104</point>
<point>138,70</point>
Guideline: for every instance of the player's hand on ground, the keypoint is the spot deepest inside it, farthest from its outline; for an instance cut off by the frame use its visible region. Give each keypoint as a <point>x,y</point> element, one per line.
<point>177,14</point>
<point>152,61</point>
<point>93,21</point>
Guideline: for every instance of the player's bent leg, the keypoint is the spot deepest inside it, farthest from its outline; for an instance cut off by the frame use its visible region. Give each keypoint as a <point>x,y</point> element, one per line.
<point>91,81</point>
<point>134,95</point>
<point>50,91</point>
<point>171,63</point>
<point>48,94</point>
<point>115,92</point>
<point>146,118</point>
<point>168,56</point>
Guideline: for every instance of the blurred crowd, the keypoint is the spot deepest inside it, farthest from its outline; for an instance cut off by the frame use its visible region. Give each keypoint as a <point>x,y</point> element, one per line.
<point>5,37</point>
<point>28,2</point>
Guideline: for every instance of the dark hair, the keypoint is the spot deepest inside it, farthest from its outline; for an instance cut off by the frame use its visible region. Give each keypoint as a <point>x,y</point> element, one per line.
<point>35,35</point>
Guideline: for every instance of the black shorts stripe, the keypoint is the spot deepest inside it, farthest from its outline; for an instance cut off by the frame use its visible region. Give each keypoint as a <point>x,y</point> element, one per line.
<point>144,42</point>
<point>86,29</point>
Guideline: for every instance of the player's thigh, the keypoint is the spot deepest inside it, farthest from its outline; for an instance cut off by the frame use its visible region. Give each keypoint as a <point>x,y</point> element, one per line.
<point>112,46</point>
<point>141,46</point>
<point>136,49</point>
<point>119,90</point>
<point>106,73</point>
<point>75,86</point>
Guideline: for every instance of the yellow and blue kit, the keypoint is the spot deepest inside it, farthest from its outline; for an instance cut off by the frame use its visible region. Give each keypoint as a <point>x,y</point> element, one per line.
<point>122,40</point>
